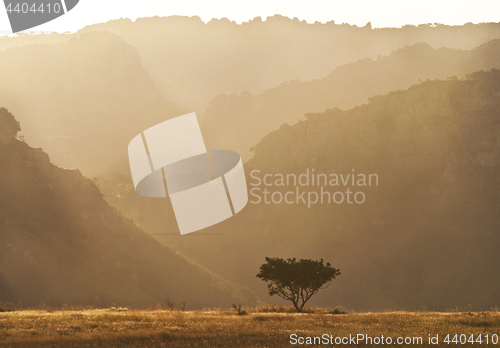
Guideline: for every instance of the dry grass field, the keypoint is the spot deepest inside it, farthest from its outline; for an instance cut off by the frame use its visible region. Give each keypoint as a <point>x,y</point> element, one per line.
<point>120,327</point>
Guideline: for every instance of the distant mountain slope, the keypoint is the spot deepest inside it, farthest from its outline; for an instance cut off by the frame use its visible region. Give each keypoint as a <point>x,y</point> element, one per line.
<point>82,100</point>
<point>427,235</point>
<point>61,243</point>
<point>238,122</point>
<point>21,39</point>
<point>191,62</point>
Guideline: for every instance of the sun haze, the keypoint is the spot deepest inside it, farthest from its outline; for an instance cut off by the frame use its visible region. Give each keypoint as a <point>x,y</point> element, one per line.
<point>384,13</point>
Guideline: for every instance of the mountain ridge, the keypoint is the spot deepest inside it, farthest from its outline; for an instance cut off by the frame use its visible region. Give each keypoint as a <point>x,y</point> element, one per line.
<point>61,243</point>
<point>425,236</point>
<point>238,122</point>
<point>191,61</point>
<point>82,100</point>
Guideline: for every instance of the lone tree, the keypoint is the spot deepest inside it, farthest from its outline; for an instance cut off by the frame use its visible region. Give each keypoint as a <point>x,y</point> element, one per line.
<point>296,281</point>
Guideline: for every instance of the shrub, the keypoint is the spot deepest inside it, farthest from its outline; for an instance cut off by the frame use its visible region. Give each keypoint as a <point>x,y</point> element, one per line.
<point>5,308</point>
<point>239,310</point>
<point>339,310</point>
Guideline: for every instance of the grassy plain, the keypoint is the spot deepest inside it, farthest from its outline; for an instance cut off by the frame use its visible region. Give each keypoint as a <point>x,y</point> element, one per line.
<point>120,327</point>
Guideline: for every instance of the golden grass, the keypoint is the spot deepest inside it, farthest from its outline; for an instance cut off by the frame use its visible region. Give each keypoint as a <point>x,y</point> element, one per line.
<point>116,327</point>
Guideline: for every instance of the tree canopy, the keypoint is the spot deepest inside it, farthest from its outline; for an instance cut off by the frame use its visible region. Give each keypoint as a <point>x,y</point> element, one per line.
<point>296,281</point>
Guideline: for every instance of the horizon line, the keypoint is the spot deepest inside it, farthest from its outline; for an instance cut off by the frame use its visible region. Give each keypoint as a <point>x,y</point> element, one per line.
<point>234,22</point>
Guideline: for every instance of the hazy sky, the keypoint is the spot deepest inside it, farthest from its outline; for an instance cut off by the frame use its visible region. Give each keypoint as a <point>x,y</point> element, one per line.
<point>383,13</point>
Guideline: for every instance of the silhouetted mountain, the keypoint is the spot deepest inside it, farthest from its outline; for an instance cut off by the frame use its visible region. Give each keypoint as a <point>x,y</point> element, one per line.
<point>427,235</point>
<point>97,86</point>
<point>83,100</point>
<point>191,62</point>
<point>238,122</point>
<point>61,243</point>
<point>21,39</point>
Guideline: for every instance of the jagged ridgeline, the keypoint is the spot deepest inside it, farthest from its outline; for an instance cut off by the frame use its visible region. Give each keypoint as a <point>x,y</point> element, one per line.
<point>238,122</point>
<point>61,243</point>
<point>427,235</point>
<point>109,80</point>
<point>191,61</point>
